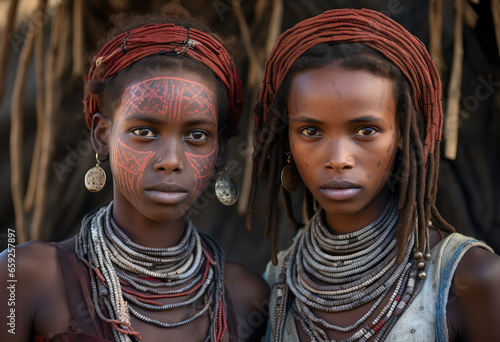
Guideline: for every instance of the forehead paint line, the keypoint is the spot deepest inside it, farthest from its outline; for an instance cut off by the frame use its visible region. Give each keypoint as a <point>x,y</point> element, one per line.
<point>168,98</point>
<point>143,98</point>
<point>167,78</point>
<point>336,90</point>
<point>199,99</point>
<point>381,101</point>
<point>130,165</point>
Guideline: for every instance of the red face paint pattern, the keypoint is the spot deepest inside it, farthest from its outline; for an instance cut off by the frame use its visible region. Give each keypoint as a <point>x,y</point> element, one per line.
<point>172,99</point>
<point>130,169</point>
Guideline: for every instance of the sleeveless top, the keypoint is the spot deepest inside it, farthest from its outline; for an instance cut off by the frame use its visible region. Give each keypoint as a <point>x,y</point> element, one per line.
<point>423,320</point>
<point>85,325</point>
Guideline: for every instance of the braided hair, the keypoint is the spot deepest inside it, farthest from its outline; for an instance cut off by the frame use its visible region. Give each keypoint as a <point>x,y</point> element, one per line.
<point>356,47</point>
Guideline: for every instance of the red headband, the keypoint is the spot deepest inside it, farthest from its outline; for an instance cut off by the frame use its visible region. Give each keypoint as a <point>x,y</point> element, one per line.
<point>373,29</point>
<point>150,39</point>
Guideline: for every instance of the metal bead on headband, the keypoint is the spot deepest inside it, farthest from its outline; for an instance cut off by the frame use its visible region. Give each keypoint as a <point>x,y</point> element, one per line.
<point>167,39</point>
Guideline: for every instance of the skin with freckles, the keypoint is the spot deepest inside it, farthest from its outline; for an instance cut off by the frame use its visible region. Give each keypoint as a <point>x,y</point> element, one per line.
<point>342,141</point>
<point>343,135</point>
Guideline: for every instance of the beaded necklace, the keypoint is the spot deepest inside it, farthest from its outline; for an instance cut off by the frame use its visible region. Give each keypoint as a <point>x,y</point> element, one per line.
<point>126,276</point>
<point>357,268</point>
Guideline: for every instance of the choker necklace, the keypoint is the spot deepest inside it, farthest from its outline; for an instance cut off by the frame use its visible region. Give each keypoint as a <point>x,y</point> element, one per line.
<point>126,276</point>
<point>334,273</point>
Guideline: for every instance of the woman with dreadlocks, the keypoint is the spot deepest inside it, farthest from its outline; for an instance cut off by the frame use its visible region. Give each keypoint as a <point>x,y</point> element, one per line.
<point>162,96</point>
<point>351,105</point>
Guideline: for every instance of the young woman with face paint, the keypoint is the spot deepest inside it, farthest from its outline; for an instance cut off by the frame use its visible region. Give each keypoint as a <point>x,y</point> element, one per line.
<point>162,97</point>
<point>351,105</point>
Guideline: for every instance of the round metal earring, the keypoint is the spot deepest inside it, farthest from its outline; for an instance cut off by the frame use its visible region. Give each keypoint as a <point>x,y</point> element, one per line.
<point>226,190</point>
<point>290,178</point>
<point>95,178</point>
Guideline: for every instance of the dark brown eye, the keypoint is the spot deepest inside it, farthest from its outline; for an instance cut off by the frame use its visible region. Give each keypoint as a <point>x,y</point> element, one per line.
<point>310,131</point>
<point>197,135</point>
<point>143,132</point>
<point>366,131</point>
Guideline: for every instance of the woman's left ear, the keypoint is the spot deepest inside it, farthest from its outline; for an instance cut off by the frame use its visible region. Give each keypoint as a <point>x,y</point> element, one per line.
<point>99,134</point>
<point>222,149</point>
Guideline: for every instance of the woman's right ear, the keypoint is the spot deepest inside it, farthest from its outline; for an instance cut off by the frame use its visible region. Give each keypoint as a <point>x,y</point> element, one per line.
<point>99,134</point>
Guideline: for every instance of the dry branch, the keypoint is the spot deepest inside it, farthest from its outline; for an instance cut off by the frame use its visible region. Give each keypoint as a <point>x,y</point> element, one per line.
<point>454,89</point>
<point>4,50</point>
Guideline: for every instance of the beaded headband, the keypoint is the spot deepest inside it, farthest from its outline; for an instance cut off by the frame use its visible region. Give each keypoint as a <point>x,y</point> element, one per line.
<point>129,47</point>
<point>373,29</point>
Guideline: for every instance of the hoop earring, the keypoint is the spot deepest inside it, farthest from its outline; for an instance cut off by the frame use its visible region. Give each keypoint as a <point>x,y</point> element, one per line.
<point>226,190</point>
<point>290,178</point>
<point>95,178</point>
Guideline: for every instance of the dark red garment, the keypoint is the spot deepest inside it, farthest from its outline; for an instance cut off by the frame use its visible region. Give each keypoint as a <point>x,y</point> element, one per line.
<point>85,325</point>
<point>373,29</point>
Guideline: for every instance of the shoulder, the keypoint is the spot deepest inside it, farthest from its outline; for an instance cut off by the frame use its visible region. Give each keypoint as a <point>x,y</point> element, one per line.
<point>478,269</point>
<point>29,256</point>
<point>32,272</point>
<point>36,266</point>
<point>244,285</point>
<point>249,294</point>
<point>476,290</point>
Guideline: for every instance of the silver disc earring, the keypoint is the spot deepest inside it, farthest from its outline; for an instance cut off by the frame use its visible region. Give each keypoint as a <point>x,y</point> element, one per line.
<point>95,178</point>
<point>226,190</point>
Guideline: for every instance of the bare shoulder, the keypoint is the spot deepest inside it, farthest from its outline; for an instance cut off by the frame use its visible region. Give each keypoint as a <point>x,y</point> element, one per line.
<point>32,259</point>
<point>31,270</point>
<point>476,288</point>
<point>36,267</point>
<point>479,268</point>
<point>245,286</point>
<point>250,295</point>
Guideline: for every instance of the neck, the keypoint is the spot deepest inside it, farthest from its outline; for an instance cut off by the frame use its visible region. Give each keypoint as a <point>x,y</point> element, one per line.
<point>348,223</point>
<point>147,232</point>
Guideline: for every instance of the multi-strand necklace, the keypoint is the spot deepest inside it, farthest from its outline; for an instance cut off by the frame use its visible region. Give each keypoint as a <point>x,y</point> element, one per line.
<point>333,273</point>
<point>127,276</point>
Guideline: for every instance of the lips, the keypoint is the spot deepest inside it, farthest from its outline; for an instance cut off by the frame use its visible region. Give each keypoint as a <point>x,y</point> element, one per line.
<point>340,190</point>
<point>166,193</point>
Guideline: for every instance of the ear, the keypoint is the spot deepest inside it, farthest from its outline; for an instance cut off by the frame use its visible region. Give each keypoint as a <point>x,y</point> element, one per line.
<point>99,134</point>
<point>222,149</point>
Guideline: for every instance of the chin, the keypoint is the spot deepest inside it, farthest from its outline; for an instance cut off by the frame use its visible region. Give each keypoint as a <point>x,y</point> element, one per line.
<point>164,214</point>
<point>342,208</point>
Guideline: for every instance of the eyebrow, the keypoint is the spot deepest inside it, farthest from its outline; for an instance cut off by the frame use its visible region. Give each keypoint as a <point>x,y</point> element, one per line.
<point>195,122</point>
<point>368,118</point>
<point>305,119</point>
<point>161,120</point>
<point>146,118</point>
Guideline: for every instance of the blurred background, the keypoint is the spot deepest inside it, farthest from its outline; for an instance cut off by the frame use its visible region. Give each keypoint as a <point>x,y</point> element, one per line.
<point>46,47</point>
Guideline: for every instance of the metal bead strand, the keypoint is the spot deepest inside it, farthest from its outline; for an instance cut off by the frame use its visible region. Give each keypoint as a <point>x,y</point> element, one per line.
<point>358,268</point>
<point>113,260</point>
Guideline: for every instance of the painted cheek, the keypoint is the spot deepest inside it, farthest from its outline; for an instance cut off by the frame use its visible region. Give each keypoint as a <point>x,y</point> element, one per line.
<point>203,166</point>
<point>129,169</point>
<point>170,98</point>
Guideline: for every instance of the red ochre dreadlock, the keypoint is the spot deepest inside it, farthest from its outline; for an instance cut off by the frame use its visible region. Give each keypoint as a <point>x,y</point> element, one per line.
<point>420,156</point>
<point>129,47</point>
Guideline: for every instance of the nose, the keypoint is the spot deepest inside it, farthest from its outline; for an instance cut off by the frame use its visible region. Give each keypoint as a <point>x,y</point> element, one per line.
<point>339,155</point>
<point>169,158</point>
